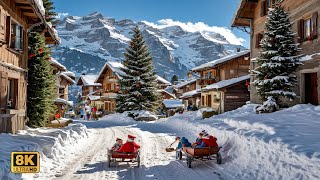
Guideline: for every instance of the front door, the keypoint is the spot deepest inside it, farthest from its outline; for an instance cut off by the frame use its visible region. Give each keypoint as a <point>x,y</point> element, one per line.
<point>209,101</point>
<point>311,88</point>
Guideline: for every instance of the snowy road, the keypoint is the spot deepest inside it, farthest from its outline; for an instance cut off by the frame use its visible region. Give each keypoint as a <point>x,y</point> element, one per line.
<point>91,163</point>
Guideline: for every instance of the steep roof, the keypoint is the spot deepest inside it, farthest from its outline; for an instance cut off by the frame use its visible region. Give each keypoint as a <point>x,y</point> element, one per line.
<point>221,60</point>
<point>55,63</point>
<point>226,83</point>
<point>163,81</point>
<point>182,84</point>
<point>190,93</point>
<point>115,67</point>
<point>66,76</point>
<point>88,80</point>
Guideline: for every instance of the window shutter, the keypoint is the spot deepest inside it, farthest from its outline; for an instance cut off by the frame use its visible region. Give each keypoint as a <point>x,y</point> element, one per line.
<point>263,8</point>
<point>300,30</point>
<point>266,7</point>
<point>8,30</point>
<point>3,89</point>
<point>2,23</point>
<point>314,23</point>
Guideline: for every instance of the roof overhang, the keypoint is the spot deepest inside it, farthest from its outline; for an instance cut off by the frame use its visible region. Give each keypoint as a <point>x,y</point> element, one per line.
<point>34,12</point>
<point>244,13</point>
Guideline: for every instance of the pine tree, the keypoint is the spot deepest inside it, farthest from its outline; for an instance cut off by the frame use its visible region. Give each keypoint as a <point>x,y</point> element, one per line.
<point>138,85</point>
<point>41,82</point>
<point>164,76</point>
<point>277,62</point>
<point>174,79</point>
<point>50,13</point>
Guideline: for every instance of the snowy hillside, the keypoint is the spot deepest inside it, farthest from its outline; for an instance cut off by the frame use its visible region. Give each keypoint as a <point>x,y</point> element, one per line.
<point>87,42</point>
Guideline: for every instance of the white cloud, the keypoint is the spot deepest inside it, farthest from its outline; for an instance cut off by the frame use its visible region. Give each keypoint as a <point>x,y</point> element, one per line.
<point>199,27</point>
<point>61,15</point>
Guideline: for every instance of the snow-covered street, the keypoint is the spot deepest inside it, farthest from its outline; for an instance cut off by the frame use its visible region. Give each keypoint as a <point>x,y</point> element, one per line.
<point>280,145</point>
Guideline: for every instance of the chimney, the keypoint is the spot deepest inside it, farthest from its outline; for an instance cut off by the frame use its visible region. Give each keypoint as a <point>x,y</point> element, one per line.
<point>238,49</point>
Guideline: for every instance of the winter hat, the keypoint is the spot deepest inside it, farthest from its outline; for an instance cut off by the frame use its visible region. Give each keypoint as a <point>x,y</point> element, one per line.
<point>204,133</point>
<point>131,138</point>
<point>118,139</point>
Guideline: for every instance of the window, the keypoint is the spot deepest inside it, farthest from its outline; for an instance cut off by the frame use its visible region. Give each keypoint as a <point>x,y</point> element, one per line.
<point>16,36</point>
<point>259,37</point>
<point>307,27</point>
<point>210,74</point>
<point>12,93</point>
<point>202,100</point>
<point>231,71</point>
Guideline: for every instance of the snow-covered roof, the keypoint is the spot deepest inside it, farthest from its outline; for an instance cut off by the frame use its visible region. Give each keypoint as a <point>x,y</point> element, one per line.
<point>163,80</point>
<point>221,60</point>
<point>60,100</point>
<point>53,32</point>
<point>40,6</point>
<point>114,66</point>
<point>70,74</point>
<point>173,103</point>
<point>11,66</point>
<point>225,83</point>
<point>65,76</point>
<point>166,92</point>
<point>88,80</point>
<point>182,84</point>
<point>70,103</point>
<point>190,93</point>
<point>55,63</point>
<point>94,98</point>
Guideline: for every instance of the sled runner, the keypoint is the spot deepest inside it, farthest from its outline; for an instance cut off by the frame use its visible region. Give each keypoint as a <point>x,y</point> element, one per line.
<point>123,157</point>
<point>193,154</point>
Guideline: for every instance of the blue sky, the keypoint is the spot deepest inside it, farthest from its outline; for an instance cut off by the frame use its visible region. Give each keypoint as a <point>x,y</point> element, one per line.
<point>210,12</point>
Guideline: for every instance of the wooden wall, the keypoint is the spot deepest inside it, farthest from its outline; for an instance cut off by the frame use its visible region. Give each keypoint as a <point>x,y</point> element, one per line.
<point>12,120</point>
<point>236,96</point>
<point>297,9</point>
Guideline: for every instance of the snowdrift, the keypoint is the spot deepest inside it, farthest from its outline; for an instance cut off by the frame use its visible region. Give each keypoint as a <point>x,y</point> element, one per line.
<point>54,145</point>
<point>280,145</point>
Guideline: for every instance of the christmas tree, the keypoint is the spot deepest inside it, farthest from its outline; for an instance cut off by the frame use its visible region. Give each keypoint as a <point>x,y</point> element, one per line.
<point>277,62</point>
<point>174,79</point>
<point>138,85</point>
<point>41,82</point>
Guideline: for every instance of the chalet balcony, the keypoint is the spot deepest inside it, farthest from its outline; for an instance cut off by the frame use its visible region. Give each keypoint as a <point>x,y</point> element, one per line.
<point>207,81</point>
<point>109,95</point>
<point>112,79</point>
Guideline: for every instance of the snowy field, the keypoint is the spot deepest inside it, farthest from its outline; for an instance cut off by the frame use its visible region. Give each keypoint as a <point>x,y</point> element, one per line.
<point>281,145</point>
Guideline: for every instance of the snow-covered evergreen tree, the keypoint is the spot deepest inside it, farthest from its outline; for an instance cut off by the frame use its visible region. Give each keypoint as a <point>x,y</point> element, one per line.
<point>277,62</point>
<point>138,85</point>
<point>50,13</point>
<point>41,89</point>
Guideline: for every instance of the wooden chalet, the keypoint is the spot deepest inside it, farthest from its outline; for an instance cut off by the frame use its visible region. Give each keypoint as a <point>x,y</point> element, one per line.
<point>108,77</point>
<point>304,15</point>
<point>231,66</point>
<point>64,79</point>
<point>88,85</point>
<point>226,95</point>
<point>16,18</point>
<point>223,71</point>
<point>189,92</point>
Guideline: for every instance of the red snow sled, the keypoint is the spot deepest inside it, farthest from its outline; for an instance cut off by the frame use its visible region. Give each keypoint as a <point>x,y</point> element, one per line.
<point>208,153</point>
<point>123,157</point>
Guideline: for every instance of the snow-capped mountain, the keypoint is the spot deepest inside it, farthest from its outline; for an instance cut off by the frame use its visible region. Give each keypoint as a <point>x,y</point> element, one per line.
<point>89,41</point>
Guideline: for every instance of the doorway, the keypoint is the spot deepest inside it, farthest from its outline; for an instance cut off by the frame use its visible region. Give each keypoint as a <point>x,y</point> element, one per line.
<point>311,88</point>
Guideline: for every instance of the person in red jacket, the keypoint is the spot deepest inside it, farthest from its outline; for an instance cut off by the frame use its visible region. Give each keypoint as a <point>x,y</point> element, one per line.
<point>209,141</point>
<point>130,146</point>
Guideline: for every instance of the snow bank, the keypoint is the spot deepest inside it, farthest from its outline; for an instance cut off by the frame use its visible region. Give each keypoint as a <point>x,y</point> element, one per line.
<point>56,146</point>
<point>284,144</point>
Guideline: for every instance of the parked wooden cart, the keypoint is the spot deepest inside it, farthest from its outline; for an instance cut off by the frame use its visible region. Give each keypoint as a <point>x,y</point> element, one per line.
<point>123,157</point>
<point>209,153</point>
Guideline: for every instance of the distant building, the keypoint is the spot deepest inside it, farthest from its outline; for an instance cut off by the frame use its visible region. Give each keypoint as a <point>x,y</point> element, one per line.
<point>224,82</point>
<point>88,85</point>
